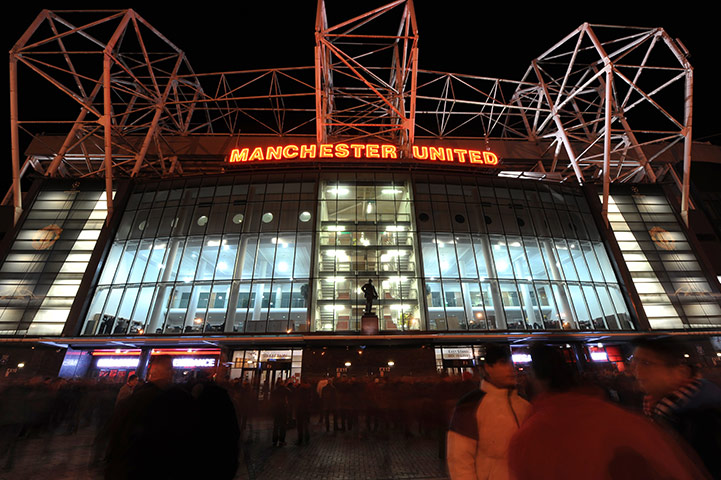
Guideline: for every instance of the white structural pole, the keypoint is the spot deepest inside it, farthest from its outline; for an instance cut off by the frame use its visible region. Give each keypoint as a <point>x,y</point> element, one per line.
<point>687,146</point>
<point>17,195</point>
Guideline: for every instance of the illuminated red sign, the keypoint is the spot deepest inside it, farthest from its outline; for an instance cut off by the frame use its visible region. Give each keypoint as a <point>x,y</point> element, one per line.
<point>366,150</point>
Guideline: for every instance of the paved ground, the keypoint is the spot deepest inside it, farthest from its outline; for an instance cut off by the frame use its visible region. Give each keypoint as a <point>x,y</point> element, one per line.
<point>346,456</point>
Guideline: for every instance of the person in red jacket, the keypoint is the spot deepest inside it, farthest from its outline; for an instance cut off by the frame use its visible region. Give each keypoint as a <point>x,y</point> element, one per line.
<point>574,433</point>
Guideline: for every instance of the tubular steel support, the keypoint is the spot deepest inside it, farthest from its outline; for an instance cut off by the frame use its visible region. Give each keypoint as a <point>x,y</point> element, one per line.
<point>688,110</point>
<point>364,85</point>
<point>17,195</point>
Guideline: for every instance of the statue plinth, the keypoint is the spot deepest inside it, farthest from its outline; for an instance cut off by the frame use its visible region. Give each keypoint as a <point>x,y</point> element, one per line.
<point>369,324</point>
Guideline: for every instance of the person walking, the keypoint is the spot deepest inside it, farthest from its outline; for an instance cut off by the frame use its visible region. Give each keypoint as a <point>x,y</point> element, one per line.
<point>485,420</point>
<point>678,398</point>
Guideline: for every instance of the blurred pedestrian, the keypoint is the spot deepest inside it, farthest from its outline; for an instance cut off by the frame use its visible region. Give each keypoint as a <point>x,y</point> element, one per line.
<point>127,389</point>
<point>150,429</point>
<point>279,409</point>
<point>485,420</point>
<point>678,399</point>
<point>574,433</point>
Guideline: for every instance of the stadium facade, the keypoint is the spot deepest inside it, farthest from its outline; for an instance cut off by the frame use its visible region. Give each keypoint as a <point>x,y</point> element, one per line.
<point>496,217</point>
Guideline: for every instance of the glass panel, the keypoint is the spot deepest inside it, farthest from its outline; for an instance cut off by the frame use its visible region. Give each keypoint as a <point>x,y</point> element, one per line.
<point>466,257</point>
<point>178,309</point>
<point>566,262</point>
<point>111,264</point>
<point>518,258</point>
<point>500,257</point>
<point>594,307</point>
<point>434,302</point>
<point>94,319</point>
<point>141,260</point>
<point>126,261</point>
<point>226,257</point>
<point>512,306</point>
<point>455,313</point>
<point>188,264</point>
<point>578,261</point>
<point>266,256</point>
<point>207,264</point>
<point>430,257</point>
<point>142,307</point>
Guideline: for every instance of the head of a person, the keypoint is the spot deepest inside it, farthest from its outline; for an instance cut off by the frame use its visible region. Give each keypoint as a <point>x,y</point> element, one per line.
<point>498,368</point>
<point>133,380</point>
<point>551,371</point>
<point>161,371</point>
<point>661,365</point>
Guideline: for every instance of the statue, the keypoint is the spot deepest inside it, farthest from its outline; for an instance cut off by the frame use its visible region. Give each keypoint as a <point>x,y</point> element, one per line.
<point>370,293</point>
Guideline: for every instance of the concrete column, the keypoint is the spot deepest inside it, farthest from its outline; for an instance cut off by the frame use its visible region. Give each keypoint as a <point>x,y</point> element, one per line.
<point>143,363</point>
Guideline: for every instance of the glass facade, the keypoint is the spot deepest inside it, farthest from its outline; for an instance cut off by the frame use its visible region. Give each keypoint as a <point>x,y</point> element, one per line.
<point>284,253</point>
<point>41,274</point>
<point>366,232</point>
<point>667,274</point>
<point>213,255</point>
<point>500,257</point>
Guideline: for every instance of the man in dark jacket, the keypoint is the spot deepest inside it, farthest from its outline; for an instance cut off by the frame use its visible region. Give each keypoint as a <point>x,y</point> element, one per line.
<point>678,399</point>
<point>149,431</point>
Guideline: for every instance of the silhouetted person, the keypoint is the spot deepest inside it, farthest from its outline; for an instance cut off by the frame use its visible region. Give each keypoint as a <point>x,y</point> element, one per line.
<point>151,430</point>
<point>678,399</point>
<point>574,433</point>
<point>279,409</point>
<point>219,426</point>
<point>127,389</point>
<point>303,399</point>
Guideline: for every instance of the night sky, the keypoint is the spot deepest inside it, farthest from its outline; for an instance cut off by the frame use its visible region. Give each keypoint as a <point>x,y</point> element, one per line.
<point>496,39</point>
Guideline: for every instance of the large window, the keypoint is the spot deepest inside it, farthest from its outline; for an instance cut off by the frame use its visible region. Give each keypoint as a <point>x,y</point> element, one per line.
<point>365,232</point>
<point>500,257</point>
<point>229,254</point>
<point>42,272</point>
<point>668,277</point>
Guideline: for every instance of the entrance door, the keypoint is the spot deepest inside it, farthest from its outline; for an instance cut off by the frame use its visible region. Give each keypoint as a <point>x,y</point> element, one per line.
<point>269,373</point>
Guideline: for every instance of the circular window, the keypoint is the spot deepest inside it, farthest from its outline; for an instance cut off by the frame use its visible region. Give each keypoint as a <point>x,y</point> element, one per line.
<point>237,218</point>
<point>141,226</point>
<point>487,219</point>
<point>267,217</point>
<point>304,216</point>
<point>202,220</point>
<point>521,222</point>
<point>423,217</point>
<point>460,218</point>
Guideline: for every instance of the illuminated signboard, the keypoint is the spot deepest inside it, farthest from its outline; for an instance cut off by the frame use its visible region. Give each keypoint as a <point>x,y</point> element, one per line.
<point>365,151</point>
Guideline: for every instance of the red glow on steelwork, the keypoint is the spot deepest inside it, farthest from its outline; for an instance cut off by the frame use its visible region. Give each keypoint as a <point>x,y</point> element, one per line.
<point>359,151</point>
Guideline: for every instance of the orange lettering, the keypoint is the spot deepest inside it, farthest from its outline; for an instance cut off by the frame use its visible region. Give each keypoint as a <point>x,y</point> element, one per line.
<point>274,153</point>
<point>420,153</point>
<point>372,151</point>
<point>256,155</point>
<point>238,155</point>
<point>290,151</point>
<point>449,154</point>
<point>307,151</point>
<point>475,156</point>
<point>326,150</point>
<point>357,150</point>
<point>490,158</point>
<point>388,151</point>
<point>437,154</point>
<point>341,150</point>
<point>461,152</point>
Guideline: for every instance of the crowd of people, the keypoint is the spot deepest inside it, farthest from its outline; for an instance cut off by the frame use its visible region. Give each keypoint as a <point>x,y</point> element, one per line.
<point>659,415</point>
